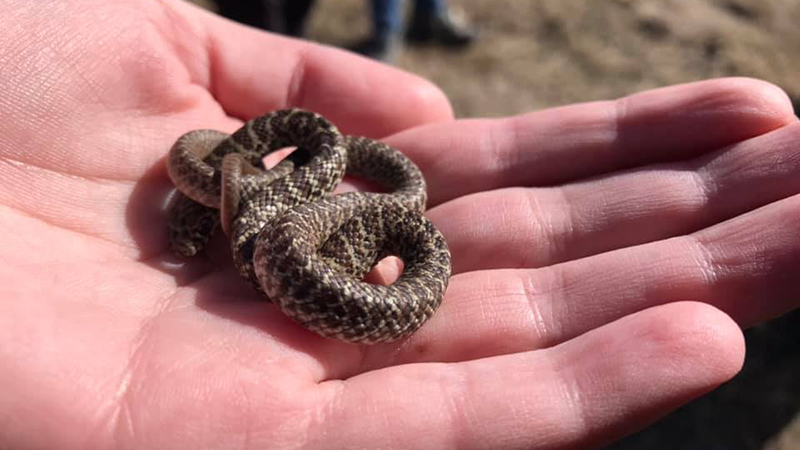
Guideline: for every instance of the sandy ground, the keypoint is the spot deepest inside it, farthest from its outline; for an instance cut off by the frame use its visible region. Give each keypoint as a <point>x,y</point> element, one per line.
<point>536,54</point>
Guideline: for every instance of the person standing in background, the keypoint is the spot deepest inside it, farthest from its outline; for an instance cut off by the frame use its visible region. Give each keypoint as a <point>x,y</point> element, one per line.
<point>280,16</point>
<point>431,22</point>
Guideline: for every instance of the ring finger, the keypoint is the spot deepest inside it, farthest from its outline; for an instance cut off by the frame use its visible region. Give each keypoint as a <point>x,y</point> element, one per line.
<point>746,266</point>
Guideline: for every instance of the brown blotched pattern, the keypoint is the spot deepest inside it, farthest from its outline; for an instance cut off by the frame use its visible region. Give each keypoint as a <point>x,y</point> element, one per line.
<point>308,251</point>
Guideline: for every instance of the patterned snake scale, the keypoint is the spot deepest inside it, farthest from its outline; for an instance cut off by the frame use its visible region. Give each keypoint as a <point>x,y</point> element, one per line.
<point>305,249</point>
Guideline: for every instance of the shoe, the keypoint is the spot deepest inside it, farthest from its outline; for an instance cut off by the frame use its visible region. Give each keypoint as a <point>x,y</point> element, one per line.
<point>441,29</point>
<point>381,48</point>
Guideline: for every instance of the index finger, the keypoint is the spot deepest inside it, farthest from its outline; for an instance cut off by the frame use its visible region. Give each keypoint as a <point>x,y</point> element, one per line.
<point>250,72</point>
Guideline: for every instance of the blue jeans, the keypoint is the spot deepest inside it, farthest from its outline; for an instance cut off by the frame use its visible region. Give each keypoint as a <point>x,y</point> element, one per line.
<point>387,15</point>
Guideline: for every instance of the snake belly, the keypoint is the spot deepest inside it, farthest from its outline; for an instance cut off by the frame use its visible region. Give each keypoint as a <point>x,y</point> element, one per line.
<point>306,250</point>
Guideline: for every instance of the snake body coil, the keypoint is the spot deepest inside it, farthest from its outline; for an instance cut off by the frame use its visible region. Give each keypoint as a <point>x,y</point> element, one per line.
<point>305,250</point>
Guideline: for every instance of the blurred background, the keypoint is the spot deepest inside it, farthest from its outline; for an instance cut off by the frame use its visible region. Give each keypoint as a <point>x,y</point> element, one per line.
<point>533,54</point>
<point>539,53</point>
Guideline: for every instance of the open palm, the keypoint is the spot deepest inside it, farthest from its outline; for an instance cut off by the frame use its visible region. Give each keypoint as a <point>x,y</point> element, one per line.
<point>588,243</point>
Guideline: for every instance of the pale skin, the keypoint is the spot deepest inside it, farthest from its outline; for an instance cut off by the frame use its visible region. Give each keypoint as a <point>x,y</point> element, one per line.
<point>606,255</point>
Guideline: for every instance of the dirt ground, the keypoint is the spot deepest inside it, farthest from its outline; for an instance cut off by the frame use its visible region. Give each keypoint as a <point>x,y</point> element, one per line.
<point>536,54</point>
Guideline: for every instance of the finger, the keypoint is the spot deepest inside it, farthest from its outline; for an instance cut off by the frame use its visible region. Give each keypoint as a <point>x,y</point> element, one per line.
<point>519,228</point>
<point>563,144</point>
<point>250,72</point>
<point>748,267</point>
<point>585,392</point>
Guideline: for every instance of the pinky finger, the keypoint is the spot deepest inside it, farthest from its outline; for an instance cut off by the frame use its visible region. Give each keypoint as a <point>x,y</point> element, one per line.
<point>583,393</point>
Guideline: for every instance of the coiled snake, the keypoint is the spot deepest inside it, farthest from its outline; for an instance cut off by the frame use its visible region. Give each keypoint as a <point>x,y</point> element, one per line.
<point>305,250</point>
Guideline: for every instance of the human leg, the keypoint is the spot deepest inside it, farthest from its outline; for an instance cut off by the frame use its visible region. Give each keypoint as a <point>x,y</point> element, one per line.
<point>295,13</point>
<point>260,14</point>
<point>387,25</point>
<point>432,22</point>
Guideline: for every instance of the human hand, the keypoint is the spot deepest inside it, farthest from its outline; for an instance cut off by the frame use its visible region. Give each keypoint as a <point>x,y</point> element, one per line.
<point>107,342</point>
<point>94,311</point>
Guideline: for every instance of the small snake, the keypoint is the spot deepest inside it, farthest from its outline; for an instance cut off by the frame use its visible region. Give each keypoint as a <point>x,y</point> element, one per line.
<point>304,249</point>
